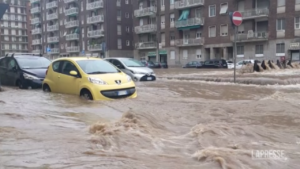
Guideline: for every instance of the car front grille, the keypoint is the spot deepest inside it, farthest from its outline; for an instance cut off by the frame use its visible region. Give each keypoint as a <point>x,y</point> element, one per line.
<point>113,94</point>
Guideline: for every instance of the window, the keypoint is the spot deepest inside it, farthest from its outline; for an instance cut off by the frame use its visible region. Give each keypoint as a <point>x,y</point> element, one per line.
<point>224,8</point>
<point>126,2</point>
<point>127,29</point>
<point>162,3</point>
<point>198,34</point>
<point>280,3</point>
<point>127,43</point>
<point>198,54</point>
<point>119,44</point>
<point>126,15</point>
<point>259,50</point>
<point>119,30</point>
<point>172,54</point>
<point>297,1</point>
<point>297,23</point>
<point>212,10</point>
<point>224,30</point>
<point>118,2</point>
<point>280,48</point>
<point>172,36</point>
<point>212,31</point>
<point>198,13</point>
<point>119,14</point>
<point>55,66</point>
<point>240,50</point>
<point>68,67</point>
<point>11,64</point>
<point>280,24</point>
<point>2,63</point>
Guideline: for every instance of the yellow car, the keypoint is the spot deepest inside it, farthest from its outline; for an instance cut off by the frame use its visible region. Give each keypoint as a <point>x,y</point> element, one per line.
<point>91,78</point>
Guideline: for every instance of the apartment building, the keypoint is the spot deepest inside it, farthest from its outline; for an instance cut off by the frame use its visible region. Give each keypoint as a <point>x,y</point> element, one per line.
<point>100,28</point>
<point>201,29</point>
<point>14,28</point>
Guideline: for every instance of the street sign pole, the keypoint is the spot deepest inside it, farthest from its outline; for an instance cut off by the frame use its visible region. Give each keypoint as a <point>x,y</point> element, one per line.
<point>237,20</point>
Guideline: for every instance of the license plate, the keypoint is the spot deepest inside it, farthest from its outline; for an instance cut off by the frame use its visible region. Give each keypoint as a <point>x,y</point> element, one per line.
<point>121,93</point>
<point>149,78</point>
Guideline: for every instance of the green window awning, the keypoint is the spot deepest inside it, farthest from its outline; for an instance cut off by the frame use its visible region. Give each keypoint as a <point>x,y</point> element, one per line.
<point>161,52</point>
<point>184,15</point>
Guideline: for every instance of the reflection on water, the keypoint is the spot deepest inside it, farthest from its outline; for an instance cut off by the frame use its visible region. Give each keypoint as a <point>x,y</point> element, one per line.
<point>173,124</point>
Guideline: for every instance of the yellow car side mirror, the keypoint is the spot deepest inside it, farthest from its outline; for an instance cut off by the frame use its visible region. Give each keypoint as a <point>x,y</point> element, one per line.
<point>73,73</point>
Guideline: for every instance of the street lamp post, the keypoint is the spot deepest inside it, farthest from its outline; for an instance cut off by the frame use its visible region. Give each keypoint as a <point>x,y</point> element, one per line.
<point>157,32</point>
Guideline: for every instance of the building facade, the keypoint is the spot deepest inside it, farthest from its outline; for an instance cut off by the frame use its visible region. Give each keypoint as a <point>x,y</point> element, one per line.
<point>15,30</point>
<point>101,28</point>
<point>190,30</point>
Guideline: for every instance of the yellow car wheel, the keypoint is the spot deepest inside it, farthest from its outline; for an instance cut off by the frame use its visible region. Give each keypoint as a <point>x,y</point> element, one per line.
<point>86,94</point>
<point>46,88</point>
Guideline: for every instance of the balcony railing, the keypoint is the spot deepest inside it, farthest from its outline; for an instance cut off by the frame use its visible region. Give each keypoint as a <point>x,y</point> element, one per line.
<point>35,21</point>
<point>52,28</point>
<point>71,11</point>
<point>95,47</point>
<point>36,42</point>
<point>255,13</point>
<point>94,5</point>
<point>73,36</point>
<point>36,51</point>
<point>252,36</point>
<point>72,49</point>
<point>95,33</point>
<point>52,16</point>
<point>145,28</point>
<point>69,1</point>
<point>189,42</point>
<point>95,19</point>
<point>50,5</point>
<point>35,10</point>
<point>71,24</point>
<point>145,11</point>
<point>34,1</point>
<point>36,31</point>
<point>53,51</point>
<point>145,45</point>
<point>189,22</point>
<point>188,3</point>
<point>53,39</point>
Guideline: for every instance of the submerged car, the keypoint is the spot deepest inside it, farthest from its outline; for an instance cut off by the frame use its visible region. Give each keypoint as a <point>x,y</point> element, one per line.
<point>91,78</point>
<point>134,68</point>
<point>23,70</point>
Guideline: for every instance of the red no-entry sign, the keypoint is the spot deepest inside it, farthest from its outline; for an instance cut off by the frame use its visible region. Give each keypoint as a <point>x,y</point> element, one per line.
<point>237,18</point>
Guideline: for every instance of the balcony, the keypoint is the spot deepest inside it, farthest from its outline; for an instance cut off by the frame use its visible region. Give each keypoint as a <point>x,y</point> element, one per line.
<point>52,28</point>
<point>73,36</point>
<point>145,28</point>
<point>53,39</point>
<point>36,42</point>
<point>145,45</point>
<point>145,12</point>
<point>189,22</point>
<point>94,5</point>
<point>34,1</point>
<point>189,42</point>
<point>53,51</point>
<point>69,1</point>
<point>36,31</point>
<point>95,19</point>
<point>50,5</point>
<point>36,51</point>
<point>71,11</point>
<point>252,36</point>
<point>72,24</point>
<point>35,10</point>
<point>255,13</point>
<point>73,49</point>
<point>95,33</point>
<point>52,16</point>
<point>35,21</point>
<point>95,47</point>
<point>188,4</point>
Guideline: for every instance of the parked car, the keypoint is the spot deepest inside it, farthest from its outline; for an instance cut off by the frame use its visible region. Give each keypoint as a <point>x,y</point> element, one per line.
<point>230,64</point>
<point>91,78</point>
<point>240,64</point>
<point>164,64</point>
<point>156,65</point>
<point>134,68</point>
<point>215,63</point>
<point>23,70</point>
<point>148,63</point>
<point>193,64</point>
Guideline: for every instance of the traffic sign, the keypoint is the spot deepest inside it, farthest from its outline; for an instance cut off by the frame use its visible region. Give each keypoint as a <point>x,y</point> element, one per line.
<point>237,18</point>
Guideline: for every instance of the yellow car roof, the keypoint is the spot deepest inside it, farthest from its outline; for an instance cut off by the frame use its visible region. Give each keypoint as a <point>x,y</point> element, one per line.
<point>77,58</point>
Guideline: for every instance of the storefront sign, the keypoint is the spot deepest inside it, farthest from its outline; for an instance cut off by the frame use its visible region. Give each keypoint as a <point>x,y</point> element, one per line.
<point>161,52</point>
<point>295,45</point>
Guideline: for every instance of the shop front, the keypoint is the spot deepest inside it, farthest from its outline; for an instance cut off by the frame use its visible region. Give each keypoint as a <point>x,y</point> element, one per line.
<point>294,51</point>
<point>163,56</point>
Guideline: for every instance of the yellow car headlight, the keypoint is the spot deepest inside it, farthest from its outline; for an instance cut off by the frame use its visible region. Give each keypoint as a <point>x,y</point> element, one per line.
<point>97,81</point>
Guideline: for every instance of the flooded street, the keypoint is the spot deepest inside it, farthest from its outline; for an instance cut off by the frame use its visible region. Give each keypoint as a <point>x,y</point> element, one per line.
<point>187,119</point>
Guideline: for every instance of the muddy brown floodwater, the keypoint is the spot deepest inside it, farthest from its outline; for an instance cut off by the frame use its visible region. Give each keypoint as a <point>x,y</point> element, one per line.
<point>177,122</point>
